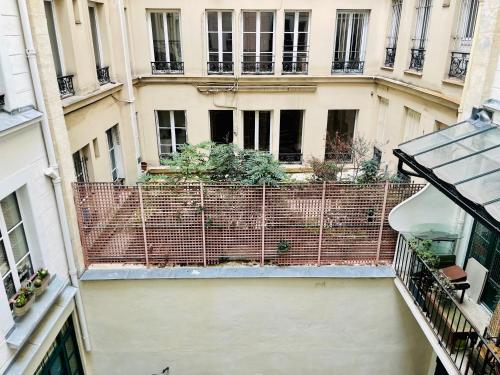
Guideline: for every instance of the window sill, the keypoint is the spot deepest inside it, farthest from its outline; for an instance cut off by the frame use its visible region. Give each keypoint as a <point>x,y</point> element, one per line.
<point>413,73</point>
<point>388,68</point>
<point>25,325</point>
<point>454,82</point>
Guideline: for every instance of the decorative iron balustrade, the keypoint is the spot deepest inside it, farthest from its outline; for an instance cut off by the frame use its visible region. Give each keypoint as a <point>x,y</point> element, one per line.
<point>257,67</point>
<point>290,157</point>
<point>458,64</point>
<point>353,66</point>
<point>417,57</point>
<point>220,67</point>
<point>294,67</point>
<point>103,75</point>
<point>469,351</point>
<point>167,67</point>
<point>66,85</point>
<point>339,157</point>
<point>2,99</point>
<point>390,56</point>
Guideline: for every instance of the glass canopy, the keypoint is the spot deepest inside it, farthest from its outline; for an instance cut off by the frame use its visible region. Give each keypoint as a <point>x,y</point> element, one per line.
<point>465,155</point>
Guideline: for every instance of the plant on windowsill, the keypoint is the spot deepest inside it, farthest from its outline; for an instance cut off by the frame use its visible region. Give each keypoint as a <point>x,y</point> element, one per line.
<point>22,301</point>
<point>283,246</point>
<point>40,280</point>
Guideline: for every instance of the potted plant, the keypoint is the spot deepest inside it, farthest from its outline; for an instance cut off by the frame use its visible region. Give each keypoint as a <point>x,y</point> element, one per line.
<point>38,287</point>
<point>44,275</point>
<point>22,301</point>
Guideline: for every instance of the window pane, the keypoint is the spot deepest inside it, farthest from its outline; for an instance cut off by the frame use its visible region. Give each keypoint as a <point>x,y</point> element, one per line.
<point>165,149</point>
<point>95,36</point>
<point>163,118</point>
<point>249,130</point>
<point>227,57</point>
<point>249,21</point>
<point>289,21</point>
<point>53,37</point>
<point>212,21</point>
<point>10,288</point>
<point>25,269</point>
<point>266,42</point>
<point>158,33</point>
<point>179,119</point>
<point>288,42</point>
<point>266,21</point>
<point>226,21</point>
<point>165,136</point>
<point>213,42</point>
<point>18,243</point>
<point>264,130</point>
<point>10,210</point>
<point>249,42</point>
<point>303,21</point>
<point>4,263</point>
<point>227,42</point>
<point>174,38</point>
<point>180,137</point>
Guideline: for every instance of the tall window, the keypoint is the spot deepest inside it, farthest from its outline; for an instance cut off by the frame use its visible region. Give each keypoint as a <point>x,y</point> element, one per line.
<point>258,42</point>
<point>257,130</point>
<point>220,42</point>
<point>290,148</point>
<point>295,44</point>
<point>171,131</point>
<point>412,127</point>
<point>80,164</point>
<point>462,40</point>
<point>114,152</point>
<point>350,41</point>
<point>15,258</point>
<point>419,39</point>
<point>392,37</point>
<point>166,43</point>
<point>339,134</point>
<point>221,126</point>
<point>102,71</point>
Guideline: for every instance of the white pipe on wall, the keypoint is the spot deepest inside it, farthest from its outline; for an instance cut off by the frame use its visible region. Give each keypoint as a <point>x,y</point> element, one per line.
<point>52,171</point>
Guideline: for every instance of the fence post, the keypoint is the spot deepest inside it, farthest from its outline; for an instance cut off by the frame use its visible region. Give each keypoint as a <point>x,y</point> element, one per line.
<point>263,223</point>
<point>143,220</point>
<point>321,220</point>
<point>382,219</point>
<point>203,234</point>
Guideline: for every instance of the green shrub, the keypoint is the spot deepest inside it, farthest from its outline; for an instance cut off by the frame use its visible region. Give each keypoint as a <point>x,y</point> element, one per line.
<point>324,170</point>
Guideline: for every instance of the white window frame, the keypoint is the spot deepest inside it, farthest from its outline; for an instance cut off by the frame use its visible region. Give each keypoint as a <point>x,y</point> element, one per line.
<point>412,128</point>
<point>393,32</point>
<point>257,40</point>
<point>362,48</point>
<point>98,31</point>
<point>296,38</point>
<point>257,128</point>
<point>4,236</point>
<point>423,11</point>
<point>164,12</point>
<point>220,33</point>
<point>173,127</point>
<point>58,36</point>
<point>116,150</point>
<point>463,41</point>
<point>83,166</point>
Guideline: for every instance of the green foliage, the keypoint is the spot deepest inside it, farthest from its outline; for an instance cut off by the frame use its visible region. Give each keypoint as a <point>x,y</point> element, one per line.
<point>324,170</point>
<point>21,300</point>
<point>369,172</point>
<point>42,273</point>
<point>423,250</point>
<point>190,163</point>
<point>283,246</point>
<point>37,283</point>
<point>260,168</point>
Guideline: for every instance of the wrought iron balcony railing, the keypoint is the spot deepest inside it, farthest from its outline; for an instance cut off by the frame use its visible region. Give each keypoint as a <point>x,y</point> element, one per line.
<point>390,56</point>
<point>294,67</point>
<point>257,67</point>
<point>167,67</point>
<point>290,157</point>
<point>66,85</point>
<point>2,99</point>
<point>103,75</point>
<point>469,351</point>
<point>417,57</point>
<point>458,64</point>
<point>220,67</point>
<point>353,66</point>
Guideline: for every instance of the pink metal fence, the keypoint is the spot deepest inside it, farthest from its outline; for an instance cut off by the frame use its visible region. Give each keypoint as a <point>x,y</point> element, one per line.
<point>208,224</point>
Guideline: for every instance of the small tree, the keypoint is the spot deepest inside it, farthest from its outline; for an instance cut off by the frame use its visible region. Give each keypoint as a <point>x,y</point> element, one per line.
<point>324,170</point>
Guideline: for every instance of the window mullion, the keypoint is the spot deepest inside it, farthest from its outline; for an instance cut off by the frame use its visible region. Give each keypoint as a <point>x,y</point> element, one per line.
<point>172,132</point>
<point>165,37</point>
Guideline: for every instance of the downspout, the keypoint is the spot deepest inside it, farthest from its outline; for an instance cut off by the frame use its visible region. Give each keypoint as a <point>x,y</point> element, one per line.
<point>52,170</point>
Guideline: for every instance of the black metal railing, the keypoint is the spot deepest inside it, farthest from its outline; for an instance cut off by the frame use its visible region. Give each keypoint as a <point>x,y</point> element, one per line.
<point>2,99</point>
<point>66,85</point>
<point>458,64</point>
<point>390,56</point>
<point>353,66</point>
<point>262,67</point>
<point>294,67</point>
<point>290,157</point>
<point>103,75</point>
<point>167,67</point>
<point>339,157</point>
<point>469,351</point>
<point>417,57</point>
<point>220,67</point>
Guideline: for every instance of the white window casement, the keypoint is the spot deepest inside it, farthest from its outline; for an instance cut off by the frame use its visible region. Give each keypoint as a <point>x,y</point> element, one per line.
<point>171,131</point>
<point>220,42</point>
<point>165,35</point>
<point>80,165</point>
<point>15,258</point>
<point>419,39</point>
<point>54,37</point>
<point>114,151</point>
<point>258,42</point>
<point>350,41</point>
<point>257,130</point>
<point>296,43</point>
<point>462,40</point>
<point>392,35</point>
<point>412,128</point>
<point>96,35</point>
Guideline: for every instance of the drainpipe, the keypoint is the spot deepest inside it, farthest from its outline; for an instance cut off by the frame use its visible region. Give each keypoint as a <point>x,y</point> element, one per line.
<point>52,170</point>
